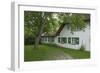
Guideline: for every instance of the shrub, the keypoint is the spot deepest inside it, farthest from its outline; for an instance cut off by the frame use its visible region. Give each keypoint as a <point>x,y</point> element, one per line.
<point>29,40</point>
<point>82,48</point>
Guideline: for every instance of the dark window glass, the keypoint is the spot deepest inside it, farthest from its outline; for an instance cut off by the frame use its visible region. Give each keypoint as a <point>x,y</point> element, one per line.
<point>50,39</point>
<point>45,38</point>
<point>63,40</point>
<point>75,40</point>
<point>69,40</point>
<point>58,39</point>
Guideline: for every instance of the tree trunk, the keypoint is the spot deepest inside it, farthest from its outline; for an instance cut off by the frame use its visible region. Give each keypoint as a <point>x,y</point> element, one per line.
<point>42,23</point>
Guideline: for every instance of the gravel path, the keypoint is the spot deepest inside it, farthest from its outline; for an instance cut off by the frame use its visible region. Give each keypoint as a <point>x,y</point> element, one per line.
<point>61,56</point>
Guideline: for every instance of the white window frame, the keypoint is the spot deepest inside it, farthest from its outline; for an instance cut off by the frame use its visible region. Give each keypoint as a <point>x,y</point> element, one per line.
<point>75,40</point>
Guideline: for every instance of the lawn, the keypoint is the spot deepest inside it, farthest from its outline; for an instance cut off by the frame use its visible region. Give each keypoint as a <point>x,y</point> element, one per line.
<point>51,52</point>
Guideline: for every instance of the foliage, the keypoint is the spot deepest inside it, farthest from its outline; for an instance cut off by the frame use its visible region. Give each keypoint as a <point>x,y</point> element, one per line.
<point>52,21</point>
<point>29,40</point>
<point>77,22</point>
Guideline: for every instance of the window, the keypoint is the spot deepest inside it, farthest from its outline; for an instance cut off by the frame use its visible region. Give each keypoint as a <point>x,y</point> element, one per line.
<point>75,40</point>
<point>69,40</point>
<point>58,39</point>
<point>45,38</point>
<point>50,39</point>
<point>62,40</point>
<point>42,39</point>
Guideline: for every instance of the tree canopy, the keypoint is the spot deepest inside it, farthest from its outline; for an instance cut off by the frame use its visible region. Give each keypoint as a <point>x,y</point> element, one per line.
<point>33,21</point>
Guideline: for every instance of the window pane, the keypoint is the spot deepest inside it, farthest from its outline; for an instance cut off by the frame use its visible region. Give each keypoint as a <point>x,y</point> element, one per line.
<point>45,38</point>
<point>42,39</point>
<point>75,40</point>
<point>62,40</point>
<point>58,39</point>
<point>50,39</point>
<point>69,40</point>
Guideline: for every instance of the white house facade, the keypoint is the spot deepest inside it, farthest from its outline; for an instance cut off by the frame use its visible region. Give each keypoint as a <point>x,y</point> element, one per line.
<point>65,38</point>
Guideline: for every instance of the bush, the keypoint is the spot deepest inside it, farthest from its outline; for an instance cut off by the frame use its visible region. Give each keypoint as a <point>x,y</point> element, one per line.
<point>82,48</point>
<point>29,40</point>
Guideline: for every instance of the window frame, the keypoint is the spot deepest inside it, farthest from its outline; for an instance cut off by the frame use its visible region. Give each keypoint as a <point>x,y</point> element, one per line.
<point>69,40</point>
<point>61,40</point>
<point>74,40</point>
<point>51,39</point>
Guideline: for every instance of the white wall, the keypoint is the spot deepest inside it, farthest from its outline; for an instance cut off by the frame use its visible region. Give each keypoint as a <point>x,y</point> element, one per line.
<point>84,38</point>
<point>5,27</point>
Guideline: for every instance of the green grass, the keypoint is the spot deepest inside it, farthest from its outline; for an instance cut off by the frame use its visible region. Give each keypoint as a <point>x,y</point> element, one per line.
<point>52,52</point>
